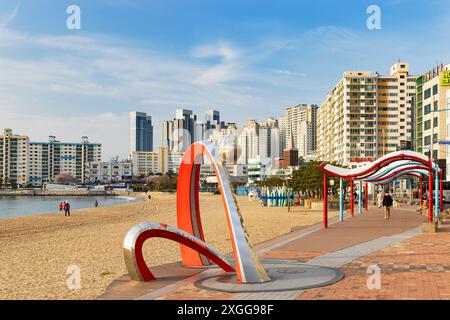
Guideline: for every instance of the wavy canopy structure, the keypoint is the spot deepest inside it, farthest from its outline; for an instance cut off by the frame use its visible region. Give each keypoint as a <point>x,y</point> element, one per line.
<point>385,170</point>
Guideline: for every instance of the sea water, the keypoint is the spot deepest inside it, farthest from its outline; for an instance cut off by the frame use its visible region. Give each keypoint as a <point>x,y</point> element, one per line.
<point>15,206</point>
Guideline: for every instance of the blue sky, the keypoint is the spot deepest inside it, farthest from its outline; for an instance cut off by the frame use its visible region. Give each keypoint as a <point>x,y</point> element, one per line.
<point>248,59</point>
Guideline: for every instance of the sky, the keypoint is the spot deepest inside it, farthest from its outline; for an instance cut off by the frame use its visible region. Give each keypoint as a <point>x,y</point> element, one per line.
<point>250,59</point>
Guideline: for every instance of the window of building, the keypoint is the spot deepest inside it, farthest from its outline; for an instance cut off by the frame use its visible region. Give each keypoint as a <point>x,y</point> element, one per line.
<point>435,122</point>
<point>435,89</point>
<point>427,109</point>
<point>427,125</point>
<point>427,93</point>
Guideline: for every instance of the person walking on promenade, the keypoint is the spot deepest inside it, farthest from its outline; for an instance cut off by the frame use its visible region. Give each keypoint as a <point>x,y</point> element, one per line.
<point>380,197</point>
<point>66,209</point>
<point>387,204</point>
<point>61,206</point>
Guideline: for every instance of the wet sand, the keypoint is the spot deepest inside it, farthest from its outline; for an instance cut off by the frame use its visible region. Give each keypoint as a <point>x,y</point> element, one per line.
<point>36,251</point>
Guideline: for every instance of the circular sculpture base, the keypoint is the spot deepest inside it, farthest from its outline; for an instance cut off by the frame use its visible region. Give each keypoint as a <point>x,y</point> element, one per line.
<point>285,275</point>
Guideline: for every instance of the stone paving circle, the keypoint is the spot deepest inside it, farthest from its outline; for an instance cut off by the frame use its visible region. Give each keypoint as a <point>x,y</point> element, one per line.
<point>286,276</point>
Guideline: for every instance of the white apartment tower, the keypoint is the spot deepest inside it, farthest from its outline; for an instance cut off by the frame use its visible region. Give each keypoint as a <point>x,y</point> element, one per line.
<point>14,151</point>
<point>248,142</point>
<point>366,115</point>
<point>301,129</point>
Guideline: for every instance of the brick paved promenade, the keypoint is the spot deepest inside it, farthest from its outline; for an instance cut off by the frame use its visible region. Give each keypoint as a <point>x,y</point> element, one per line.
<point>413,265</point>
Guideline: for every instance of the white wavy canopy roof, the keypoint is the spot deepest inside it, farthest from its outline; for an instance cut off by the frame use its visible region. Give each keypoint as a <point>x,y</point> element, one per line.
<point>373,167</point>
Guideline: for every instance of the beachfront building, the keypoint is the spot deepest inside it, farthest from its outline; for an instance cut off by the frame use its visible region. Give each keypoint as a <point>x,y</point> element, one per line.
<point>212,122</point>
<point>248,142</point>
<point>141,132</point>
<point>433,117</point>
<point>23,162</point>
<point>258,169</point>
<point>180,133</point>
<point>269,139</point>
<point>146,163</point>
<point>366,115</point>
<point>301,129</point>
<point>162,161</point>
<point>48,159</point>
<point>14,150</point>
<point>108,171</point>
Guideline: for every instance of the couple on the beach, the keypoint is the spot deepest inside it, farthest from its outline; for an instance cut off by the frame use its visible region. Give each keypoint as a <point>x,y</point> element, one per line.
<point>66,207</point>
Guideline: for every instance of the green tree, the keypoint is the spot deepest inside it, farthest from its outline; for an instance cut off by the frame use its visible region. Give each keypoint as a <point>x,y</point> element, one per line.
<point>273,182</point>
<point>309,179</point>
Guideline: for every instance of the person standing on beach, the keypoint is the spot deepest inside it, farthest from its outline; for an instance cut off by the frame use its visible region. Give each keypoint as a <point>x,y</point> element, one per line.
<point>61,206</point>
<point>66,209</point>
<point>387,203</point>
<point>96,203</point>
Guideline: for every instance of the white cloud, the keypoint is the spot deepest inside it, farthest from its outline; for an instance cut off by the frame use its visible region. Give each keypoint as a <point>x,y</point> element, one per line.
<point>109,128</point>
<point>227,69</point>
<point>75,78</point>
<point>289,73</point>
<point>6,20</point>
<point>221,49</point>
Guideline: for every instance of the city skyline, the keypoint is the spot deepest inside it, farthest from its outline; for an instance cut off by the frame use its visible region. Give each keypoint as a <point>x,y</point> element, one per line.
<point>256,63</point>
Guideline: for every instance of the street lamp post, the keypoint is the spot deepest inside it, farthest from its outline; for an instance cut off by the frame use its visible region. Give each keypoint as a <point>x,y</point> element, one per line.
<point>438,173</point>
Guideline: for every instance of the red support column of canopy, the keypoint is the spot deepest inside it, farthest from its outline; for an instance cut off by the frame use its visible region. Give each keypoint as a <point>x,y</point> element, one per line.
<point>325,201</point>
<point>366,196</point>
<point>430,194</point>
<point>441,192</point>
<point>352,200</point>
<point>421,190</point>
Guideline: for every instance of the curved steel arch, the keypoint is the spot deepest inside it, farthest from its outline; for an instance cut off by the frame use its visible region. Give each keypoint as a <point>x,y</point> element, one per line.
<point>194,250</point>
<point>248,267</point>
<point>135,238</point>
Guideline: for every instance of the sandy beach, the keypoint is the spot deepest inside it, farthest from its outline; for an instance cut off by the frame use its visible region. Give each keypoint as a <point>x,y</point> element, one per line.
<point>36,251</point>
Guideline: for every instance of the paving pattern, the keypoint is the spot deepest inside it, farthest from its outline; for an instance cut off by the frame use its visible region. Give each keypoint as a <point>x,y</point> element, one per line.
<point>412,265</point>
<point>416,268</point>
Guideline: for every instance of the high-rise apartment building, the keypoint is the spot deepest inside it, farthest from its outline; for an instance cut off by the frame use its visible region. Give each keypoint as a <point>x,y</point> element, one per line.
<point>23,162</point>
<point>48,159</point>
<point>141,132</point>
<point>180,133</point>
<point>248,142</point>
<point>212,122</point>
<point>14,151</point>
<point>282,126</point>
<point>366,115</point>
<point>433,117</point>
<point>269,139</point>
<point>301,125</point>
